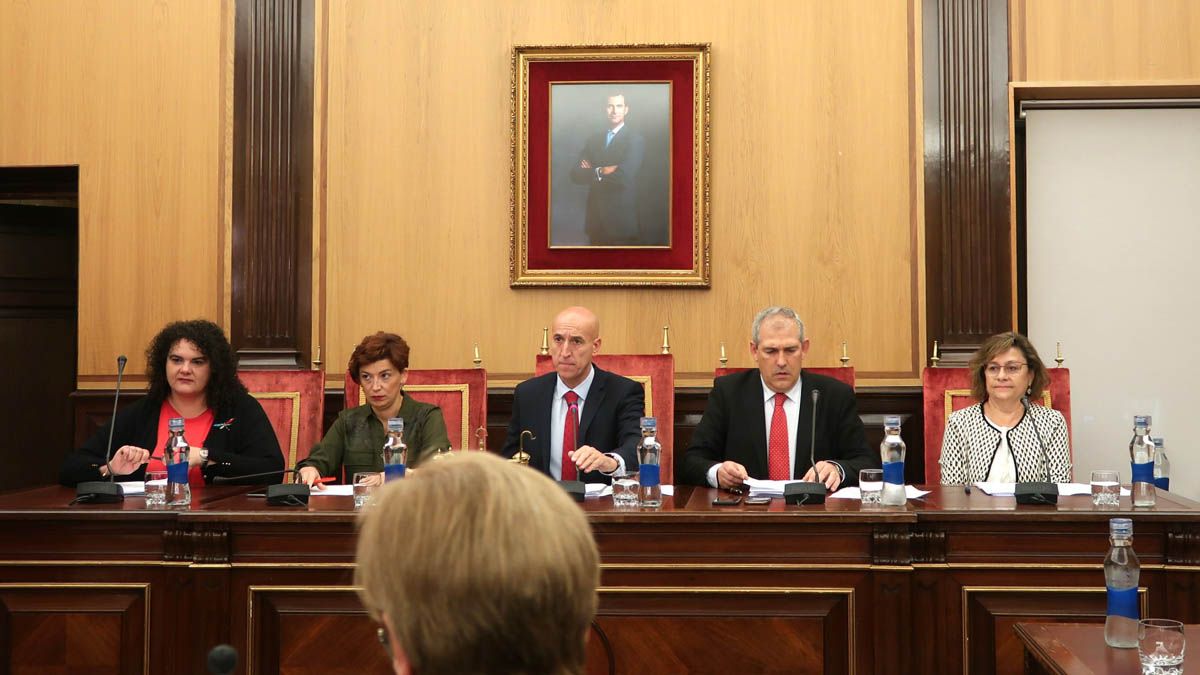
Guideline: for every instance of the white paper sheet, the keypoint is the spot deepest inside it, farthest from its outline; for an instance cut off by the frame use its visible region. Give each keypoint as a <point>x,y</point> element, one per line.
<point>605,490</point>
<point>334,491</point>
<point>910,492</point>
<point>1064,489</point>
<point>132,487</point>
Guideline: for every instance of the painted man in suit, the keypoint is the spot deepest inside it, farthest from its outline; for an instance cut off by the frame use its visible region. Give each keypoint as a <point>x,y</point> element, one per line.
<point>609,166</point>
<point>758,423</point>
<point>585,421</point>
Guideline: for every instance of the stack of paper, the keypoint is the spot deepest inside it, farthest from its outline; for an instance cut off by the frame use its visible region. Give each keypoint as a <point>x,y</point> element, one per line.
<point>910,492</point>
<point>766,488</point>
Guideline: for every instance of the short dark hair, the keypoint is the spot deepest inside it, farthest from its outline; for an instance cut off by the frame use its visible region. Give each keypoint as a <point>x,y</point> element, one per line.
<point>223,383</point>
<point>377,347</point>
<point>998,344</point>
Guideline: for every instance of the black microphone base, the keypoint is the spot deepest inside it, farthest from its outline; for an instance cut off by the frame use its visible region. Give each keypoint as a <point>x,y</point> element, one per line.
<point>1036,493</point>
<point>575,488</point>
<point>288,494</point>
<point>99,492</point>
<point>804,493</point>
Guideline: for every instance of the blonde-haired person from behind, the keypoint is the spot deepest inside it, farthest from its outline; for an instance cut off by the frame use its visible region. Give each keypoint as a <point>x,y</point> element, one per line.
<point>476,565</point>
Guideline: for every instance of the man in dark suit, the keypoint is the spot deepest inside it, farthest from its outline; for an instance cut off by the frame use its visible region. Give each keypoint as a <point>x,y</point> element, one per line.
<point>758,423</point>
<point>585,421</point>
<point>609,166</point>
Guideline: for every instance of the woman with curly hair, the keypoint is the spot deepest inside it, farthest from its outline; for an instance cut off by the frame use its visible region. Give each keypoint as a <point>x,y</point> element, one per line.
<point>193,375</point>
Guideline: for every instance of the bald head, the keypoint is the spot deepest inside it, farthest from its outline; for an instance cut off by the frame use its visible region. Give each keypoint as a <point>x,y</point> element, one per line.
<point>576,337</point>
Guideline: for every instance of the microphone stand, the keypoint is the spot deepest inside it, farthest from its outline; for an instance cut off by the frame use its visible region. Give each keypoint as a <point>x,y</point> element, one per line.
<point>808,492</point>
<point>1037,492</point>
<point>105,491</point>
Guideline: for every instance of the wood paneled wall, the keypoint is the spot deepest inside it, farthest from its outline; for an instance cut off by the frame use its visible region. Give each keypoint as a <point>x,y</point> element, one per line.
<point>815,180</point>
<point>1105,40</point>
<point>133,93</point>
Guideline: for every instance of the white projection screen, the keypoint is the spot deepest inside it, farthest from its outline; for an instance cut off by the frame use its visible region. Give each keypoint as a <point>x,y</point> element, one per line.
<point>1113,271</point>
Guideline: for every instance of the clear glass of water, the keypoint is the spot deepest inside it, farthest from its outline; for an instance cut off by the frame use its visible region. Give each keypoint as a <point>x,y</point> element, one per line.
<point>625,489</point>
<point>155,487</point>
<point>1161,644</point>
<point>870,485</point>
<point>1106,488</point>
<point>364,485</point>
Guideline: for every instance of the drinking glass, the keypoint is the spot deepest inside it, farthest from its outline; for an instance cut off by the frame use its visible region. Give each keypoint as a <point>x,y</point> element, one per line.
<point>364,485</point>
<point>1106,488</point>
<point>625,489</point>
<point>155,487</point>
<point>870,485</point>
<point>1160,646</point>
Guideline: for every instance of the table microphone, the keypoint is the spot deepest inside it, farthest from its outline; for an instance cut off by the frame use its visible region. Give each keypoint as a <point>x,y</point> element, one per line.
<point>1037,492</point>
<point>222,660</point>
<point>807,492</point>
<point>279,494</point>
<point>105,491</point>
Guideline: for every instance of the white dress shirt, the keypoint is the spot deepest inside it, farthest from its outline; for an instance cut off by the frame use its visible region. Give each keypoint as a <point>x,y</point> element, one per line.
<point>1004,469</point>
<point>558,422</point>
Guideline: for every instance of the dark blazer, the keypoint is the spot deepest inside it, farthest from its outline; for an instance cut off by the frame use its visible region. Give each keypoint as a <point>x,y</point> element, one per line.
<point>610,421</point>
<point>612,209</point>
<point>247,445</point>
<point>734,428</point>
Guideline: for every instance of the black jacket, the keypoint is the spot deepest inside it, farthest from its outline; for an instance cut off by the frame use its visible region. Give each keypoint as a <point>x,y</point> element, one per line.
<point>734,428</point>
<point>246,445</point>
<point>610,422</point>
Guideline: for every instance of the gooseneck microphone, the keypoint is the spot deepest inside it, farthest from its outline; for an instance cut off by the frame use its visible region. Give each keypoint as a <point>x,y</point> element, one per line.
<point>808,492</point>
<point>105,491</point>
<point>1037,492</point>
<point>279,494</point>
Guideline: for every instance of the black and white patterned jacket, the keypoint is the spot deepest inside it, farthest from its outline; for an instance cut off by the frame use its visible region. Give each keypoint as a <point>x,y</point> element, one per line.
<point>971,441</point>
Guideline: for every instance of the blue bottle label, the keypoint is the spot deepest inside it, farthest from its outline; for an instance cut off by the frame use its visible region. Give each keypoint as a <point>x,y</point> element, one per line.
<point>1123,602</point>
<point>648,475</point>
<point>393,471</point>
<point>1143,472</point>
<point>177,473</point>
<point>1162,483</point>
<point>893,472</point>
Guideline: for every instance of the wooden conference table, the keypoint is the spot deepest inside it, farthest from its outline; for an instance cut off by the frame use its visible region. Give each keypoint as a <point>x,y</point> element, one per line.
<point>1079,649</point>
<point>933,587</point>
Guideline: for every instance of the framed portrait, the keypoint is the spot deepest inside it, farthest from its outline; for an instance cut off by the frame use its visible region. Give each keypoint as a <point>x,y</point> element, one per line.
<point>610,166</point>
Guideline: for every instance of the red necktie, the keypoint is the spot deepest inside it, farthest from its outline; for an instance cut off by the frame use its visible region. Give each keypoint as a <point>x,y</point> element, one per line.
<point>777,446</point>
<point>569,433</point>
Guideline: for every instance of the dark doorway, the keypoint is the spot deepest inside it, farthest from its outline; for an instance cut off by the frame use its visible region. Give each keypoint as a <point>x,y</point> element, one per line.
<point>39,303</point>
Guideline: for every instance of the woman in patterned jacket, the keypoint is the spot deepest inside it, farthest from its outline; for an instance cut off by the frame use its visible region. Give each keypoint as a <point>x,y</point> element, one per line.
<point>1001,438</point>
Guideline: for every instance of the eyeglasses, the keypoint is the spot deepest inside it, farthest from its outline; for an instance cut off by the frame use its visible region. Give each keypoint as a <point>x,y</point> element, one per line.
<point>1011,369</point>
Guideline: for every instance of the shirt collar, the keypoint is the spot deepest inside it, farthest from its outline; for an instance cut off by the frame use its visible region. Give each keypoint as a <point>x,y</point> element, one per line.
<point>581,389</point>
<point>619,127</point>
<point>793,394</point>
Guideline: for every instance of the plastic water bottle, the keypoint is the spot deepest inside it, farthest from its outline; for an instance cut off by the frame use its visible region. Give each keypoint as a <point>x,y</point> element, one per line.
<point>1141,458</point>
<point>649,473</point>
<point>395,452</point>
<point>891,452</point>
<point>1162,465</point>
<point>1121,571</point>
<point>175,456</point>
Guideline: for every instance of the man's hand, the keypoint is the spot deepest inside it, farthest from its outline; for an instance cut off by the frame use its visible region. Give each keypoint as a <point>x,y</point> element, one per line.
<point>731,475</point>
<point>584,164</point>
<point>606,170</point>
<point>127,459</point>
<point>827,473</point>
<point>309,475</point>
<point>588,458</point>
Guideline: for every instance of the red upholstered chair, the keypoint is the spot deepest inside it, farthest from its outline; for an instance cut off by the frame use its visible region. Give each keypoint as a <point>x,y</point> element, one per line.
<point>949,389</point>
<point>843,373</point>
<point>656,373</point>
<point>294,400</point>
<point>461,393</point>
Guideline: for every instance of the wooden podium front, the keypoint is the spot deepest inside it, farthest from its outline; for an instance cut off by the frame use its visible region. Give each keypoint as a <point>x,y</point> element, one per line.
<point>935,586</point>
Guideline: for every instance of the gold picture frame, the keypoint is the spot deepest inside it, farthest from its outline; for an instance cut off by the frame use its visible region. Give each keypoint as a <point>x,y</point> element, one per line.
<point>641,215</point>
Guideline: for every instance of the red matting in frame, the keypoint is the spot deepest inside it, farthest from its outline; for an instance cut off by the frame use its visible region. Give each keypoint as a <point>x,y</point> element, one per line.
<point>679,256</point>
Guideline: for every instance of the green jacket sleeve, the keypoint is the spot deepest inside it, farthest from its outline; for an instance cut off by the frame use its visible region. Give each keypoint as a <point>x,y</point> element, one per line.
<point>433,437</point>
<point>327,455</point>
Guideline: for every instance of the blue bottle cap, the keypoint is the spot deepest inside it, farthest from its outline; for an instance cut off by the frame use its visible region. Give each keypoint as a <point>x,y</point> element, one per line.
<point>891,421</point>
<point>649,423</point>
<point>1120,526</point>
<point>175,424</point>
<point>1141,420</point>
<point>1158,442</point>
<point>395,424</point>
